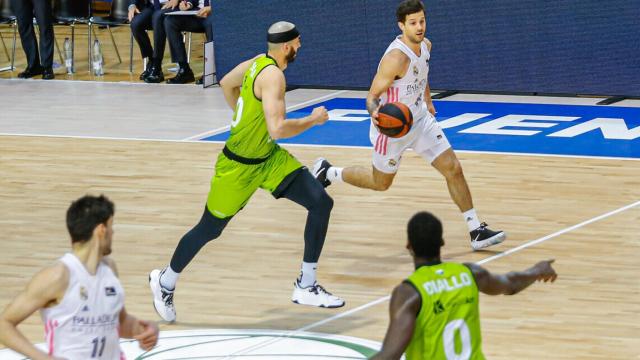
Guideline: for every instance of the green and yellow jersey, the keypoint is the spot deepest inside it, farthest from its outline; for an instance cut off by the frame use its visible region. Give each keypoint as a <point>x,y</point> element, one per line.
<point>448,324</point>
<point>251,159</point>
<point>249,136</point>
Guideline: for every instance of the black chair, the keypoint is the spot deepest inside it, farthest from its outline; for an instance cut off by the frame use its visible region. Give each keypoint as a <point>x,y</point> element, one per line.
<point>118,16</point>
<point>70,13</point>
<point>7,17</point>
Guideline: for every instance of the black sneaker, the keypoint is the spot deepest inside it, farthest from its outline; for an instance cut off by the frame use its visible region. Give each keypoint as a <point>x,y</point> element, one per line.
<point>320,168</point>
<point>484,237</point>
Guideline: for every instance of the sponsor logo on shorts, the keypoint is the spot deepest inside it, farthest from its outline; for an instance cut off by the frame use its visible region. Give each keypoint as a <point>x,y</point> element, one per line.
<point>392,163</point>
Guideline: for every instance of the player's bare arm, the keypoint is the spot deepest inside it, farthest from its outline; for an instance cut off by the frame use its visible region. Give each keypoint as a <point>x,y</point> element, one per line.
<point>45,289</point>
<point>403,308</point>
<point>232,82</point>
<point>393,66</point>
<point>146,332</point>
<point>513,282</point>
<point>270,86</point>
<point>427,91</point>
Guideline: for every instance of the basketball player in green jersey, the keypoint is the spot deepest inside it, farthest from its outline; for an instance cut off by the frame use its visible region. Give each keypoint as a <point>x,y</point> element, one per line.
<point>434,313</point>
<point>250,160</point>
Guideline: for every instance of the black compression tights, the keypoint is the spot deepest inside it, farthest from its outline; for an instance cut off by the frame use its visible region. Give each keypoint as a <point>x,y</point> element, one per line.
<point>307,191</point>
<point>304,190</point>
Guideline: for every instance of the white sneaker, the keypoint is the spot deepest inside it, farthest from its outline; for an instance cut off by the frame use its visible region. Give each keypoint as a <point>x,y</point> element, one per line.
<point>315,295</point>
<point>319,171</point>
<point>162,298</point>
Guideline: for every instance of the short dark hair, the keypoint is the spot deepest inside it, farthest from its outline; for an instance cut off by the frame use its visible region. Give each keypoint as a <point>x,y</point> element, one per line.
<point>85,214</point>
<point>408,7</point>
<point>425,235</point>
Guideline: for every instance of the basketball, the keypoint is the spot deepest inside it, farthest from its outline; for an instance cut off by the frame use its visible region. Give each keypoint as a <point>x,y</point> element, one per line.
<point>395,119</point>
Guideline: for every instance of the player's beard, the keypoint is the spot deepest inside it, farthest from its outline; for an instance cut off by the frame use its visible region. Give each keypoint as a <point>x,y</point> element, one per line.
<point>291,56</point>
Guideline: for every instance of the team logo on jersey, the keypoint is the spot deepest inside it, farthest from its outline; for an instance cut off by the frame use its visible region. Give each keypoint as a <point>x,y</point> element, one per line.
<point>415,70</point>
<point>243,344</point>
<point>84,295</point>
<point>110,291</point>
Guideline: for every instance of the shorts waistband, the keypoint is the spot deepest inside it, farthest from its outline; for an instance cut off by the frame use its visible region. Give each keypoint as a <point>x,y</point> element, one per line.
<point>241,159</point>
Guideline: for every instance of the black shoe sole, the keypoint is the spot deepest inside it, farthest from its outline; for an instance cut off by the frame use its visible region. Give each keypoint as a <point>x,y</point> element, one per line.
<point>320,306</point>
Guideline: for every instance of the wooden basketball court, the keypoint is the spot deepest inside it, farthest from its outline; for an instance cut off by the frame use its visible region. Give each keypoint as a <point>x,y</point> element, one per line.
<point>584,212</point>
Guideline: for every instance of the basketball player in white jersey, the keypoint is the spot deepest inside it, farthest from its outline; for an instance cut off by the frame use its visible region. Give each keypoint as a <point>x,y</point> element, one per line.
<point>402,77</point>
<point>80,298</point>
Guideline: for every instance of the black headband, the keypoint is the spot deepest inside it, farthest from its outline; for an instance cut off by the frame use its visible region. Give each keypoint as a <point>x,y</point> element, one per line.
<point>283,37</point>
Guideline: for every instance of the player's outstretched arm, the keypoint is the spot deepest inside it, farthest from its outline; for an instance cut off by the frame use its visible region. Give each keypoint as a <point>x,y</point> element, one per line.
<point>232,82</point>
<point>513,282</point>
<point>146,332</point>
<point>46,287</point>
<point>403,308</point>
<point>271,84</point>
<point>391,67</point>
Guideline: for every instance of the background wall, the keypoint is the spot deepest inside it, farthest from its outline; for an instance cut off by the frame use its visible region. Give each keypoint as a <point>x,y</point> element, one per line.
<point>566,46</point>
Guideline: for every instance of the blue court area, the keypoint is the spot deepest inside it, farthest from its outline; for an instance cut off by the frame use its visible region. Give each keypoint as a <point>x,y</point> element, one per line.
<point>494,127</point>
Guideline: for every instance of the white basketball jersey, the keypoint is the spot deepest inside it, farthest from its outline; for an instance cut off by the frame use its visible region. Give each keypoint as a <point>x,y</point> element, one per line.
<point>84,325</point>
<point>410,89</point>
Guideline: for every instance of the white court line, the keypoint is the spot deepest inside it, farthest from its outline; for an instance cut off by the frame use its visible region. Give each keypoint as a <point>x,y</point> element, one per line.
<point>313,145</point>
<point>208,133</point>
<point>289,108</point>
<point>387,297</point>
<point>312,101</point>
<point>558,233</point>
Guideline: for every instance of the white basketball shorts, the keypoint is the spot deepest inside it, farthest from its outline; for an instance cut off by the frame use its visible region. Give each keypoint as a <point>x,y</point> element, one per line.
<point>425,138</point>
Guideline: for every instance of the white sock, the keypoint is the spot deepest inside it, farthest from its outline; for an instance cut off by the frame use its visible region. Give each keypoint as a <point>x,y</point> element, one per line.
<point>168,278</point>
<point>308,274</point>
<point>472,220</point>
<point>334,174</point>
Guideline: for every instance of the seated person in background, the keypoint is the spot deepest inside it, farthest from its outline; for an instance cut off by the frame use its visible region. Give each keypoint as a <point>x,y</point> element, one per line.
<point>175,25</point>
<point>150,15</point>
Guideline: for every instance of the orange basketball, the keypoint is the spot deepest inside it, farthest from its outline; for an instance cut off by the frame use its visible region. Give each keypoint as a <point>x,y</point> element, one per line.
<point>395,119</point>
